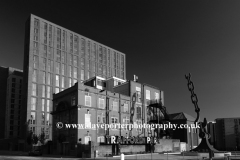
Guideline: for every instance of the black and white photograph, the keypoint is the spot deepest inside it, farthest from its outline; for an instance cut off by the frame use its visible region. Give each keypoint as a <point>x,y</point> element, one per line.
<point>120,79</point>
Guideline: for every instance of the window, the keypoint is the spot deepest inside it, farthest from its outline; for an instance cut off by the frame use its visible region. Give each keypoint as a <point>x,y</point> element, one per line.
<point>125,107</point>
<point>34,76</point>
<point>63,69</point>
<point>35,61</point>
<point>49,66</point>
<point>63,59</point>
<point>83,47</point>
<point>71,42</point>
<point>75,61</point>
<point>48,92</point>
<point>82,63</point>
<point>32,129</point>
<point>101,103</point>
<point>43,121</point>
<point>43,105</point>
<point>70,82</point>
<point>13,95</point>
<point>157,97</point>
<point>44,77</point>
<point>74,72</point>
<point>35,44</point>
<point>88,100</point>
<point>47,123</point>
<point>88,120</point>
<point>44,63</point>
<point>48,105</point>
<point>103,118</point>
<point>114,120</point>
<point>147,94</point>
<point>57,68</point>
<point>138,94</point>
<point>63,82</point>
<point>73,101</point>
<point>126,122</point>
<point>70,59</point>
<point>75,44</point>
<point>49,78</point>
<point>139,112</point>
<point>44,50</point>
<point>12,101</point>
<point>82,74</point>
<point>36,22</point>
<point>33,103</point>
<point>43,90</point>
<point>56,90</point>
<point>32,118</point>
<point>88,76</point>
<point>13,85</point>
<point>47,132</point>
<point>70,71</point>
<point>139,123</point>
<point>115,106</point>
<point>99,82</point>
<point>99,119</point>
<point>34,89</point>
<point>57,81</point>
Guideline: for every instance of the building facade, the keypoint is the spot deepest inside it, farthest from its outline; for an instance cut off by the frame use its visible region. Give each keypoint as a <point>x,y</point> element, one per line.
<point>11,108</point>
<point>11,92</point>
<point>14,104</point>
<point>94,102</point>
<point>55,58</point>
<point>227,133</point>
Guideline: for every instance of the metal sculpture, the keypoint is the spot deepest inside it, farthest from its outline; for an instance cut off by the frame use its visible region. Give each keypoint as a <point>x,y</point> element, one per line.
<point>204,146</point>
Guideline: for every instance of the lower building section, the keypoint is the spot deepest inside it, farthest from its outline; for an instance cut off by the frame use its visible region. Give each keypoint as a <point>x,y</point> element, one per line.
<point>93,149</point>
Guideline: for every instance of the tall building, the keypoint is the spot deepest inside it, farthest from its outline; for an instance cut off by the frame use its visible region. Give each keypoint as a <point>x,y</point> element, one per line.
<point>11,108</point>
<point>14,104</point>
<point>10,91</point>
<point>55,58</point>
<point>227,133</point>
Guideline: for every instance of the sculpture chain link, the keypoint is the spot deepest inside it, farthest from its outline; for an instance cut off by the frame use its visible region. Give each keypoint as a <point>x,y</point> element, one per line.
<point>193,95</point>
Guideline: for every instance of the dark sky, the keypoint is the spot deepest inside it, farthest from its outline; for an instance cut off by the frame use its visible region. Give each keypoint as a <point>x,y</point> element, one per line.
<point>163,40</point>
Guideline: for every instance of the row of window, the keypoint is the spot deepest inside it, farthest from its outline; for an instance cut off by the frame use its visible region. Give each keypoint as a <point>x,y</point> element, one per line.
<point>61,43</point>
<point>14,80</point>
<point>101,103</point>
<point>148,95</point>
<point>60,68</point>
<point>43,101</point>
<point>32,119</point>
<point>104,55</point>
<point>62,56</point>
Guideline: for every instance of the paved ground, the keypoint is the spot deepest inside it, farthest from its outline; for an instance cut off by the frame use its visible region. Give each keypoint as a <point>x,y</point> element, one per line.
<point>7,155</point>
<point>148,157</point>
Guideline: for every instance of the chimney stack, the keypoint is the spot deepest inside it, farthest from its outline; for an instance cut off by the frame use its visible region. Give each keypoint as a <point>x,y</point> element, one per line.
<point>135,78</point>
